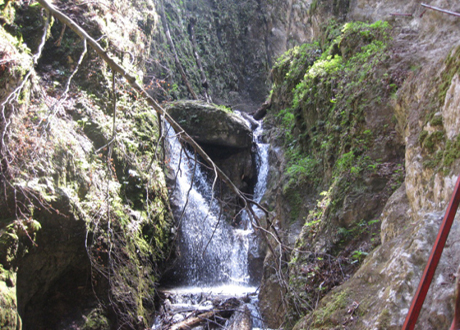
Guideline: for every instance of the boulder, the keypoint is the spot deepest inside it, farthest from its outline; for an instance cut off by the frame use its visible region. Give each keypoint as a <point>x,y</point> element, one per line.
<point>210,124</point>
<point>224,136</point>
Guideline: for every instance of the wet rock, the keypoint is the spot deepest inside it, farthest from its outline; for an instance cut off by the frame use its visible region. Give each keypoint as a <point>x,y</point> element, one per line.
<point>271,296</point>
<point>241,320</point>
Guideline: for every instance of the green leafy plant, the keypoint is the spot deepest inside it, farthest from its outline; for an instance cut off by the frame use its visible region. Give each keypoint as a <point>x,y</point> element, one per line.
<point>358,255</point>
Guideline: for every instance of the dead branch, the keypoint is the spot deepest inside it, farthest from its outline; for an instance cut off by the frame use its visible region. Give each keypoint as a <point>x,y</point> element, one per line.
<point>131,79</point>
<point>114,92</point>
<point>42,43</point>
<point>441,10</point>
<point>398,14</point>
<point>194,321</point>
<point>222,312</point>
<point>58,42</point>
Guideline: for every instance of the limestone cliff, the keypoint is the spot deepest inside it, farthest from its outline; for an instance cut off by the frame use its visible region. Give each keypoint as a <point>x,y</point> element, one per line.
<point>363,116</point>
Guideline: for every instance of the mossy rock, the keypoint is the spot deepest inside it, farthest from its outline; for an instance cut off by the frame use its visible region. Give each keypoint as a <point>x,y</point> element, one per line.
<point>9,317</point>
<point>210,124</point>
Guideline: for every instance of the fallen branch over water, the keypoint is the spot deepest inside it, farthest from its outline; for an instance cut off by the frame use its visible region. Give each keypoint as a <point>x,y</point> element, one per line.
<point>231,313</point>
<point>194,321</point>
<point>177,128</point>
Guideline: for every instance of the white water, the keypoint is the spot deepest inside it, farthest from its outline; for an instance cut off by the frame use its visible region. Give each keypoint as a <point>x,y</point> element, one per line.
<point>213,254</point>
<point>207,242</point>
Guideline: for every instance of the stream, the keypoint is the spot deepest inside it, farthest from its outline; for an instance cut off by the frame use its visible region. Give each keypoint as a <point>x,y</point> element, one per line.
<point>213,266</point>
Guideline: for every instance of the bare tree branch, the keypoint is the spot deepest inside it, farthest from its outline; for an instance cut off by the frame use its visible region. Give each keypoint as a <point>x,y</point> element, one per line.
<point>131,79</point>
<point>441,10</point>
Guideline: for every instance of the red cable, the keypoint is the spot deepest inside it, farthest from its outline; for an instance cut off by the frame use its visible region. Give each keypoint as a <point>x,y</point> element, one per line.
<point>427,277</point>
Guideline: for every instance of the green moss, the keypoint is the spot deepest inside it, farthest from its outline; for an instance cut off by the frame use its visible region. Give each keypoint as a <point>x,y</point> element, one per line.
<point>333,84</point>
<point>452,64</point>
<point>330,314</point>
<point>447,153</point>
<point>224,108</point>
<point>436,121</point>
<point>96,320</point>
<point>452,151</point>
<point>432,140</point>
<point>434,162</point>
<point>384,319</point>
<point>8,305</point>
<point>313,7</point>
<point>422,136</point>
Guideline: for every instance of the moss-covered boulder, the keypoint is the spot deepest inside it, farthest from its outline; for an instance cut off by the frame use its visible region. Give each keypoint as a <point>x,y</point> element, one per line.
<point>210,124</point>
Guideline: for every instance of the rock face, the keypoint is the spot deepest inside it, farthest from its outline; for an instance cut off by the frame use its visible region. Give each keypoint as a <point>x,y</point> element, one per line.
<point>236,43</point>
<point>80,243</point>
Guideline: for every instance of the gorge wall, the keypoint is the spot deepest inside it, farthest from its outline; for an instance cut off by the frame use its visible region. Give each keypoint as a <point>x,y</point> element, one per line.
<point>362,130</point>
<point>85,219</point>
<point>226,48</point>
<point>365,147</point>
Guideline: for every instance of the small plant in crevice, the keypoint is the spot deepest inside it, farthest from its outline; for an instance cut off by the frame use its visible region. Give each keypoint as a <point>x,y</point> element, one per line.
<point>358,256</point>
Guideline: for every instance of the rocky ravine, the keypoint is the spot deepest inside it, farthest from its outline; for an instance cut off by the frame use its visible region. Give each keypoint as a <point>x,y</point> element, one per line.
<point>370,137</point>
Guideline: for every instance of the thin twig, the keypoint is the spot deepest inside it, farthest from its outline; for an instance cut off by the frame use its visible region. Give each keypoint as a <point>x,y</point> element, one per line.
<point>441,10</point>
<point>54,108</point>
<point>114,91</point>
<point>398,14</point>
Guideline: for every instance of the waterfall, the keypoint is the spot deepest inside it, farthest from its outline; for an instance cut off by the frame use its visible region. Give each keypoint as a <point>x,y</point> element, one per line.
<point>213,259</point>
<point>205,237</point>
<point>212,252</point>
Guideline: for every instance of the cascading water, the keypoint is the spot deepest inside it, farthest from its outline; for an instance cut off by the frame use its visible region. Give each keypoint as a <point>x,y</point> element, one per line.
<point>207,242</point>
<point>213,255</point>
<point>212,252</point>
